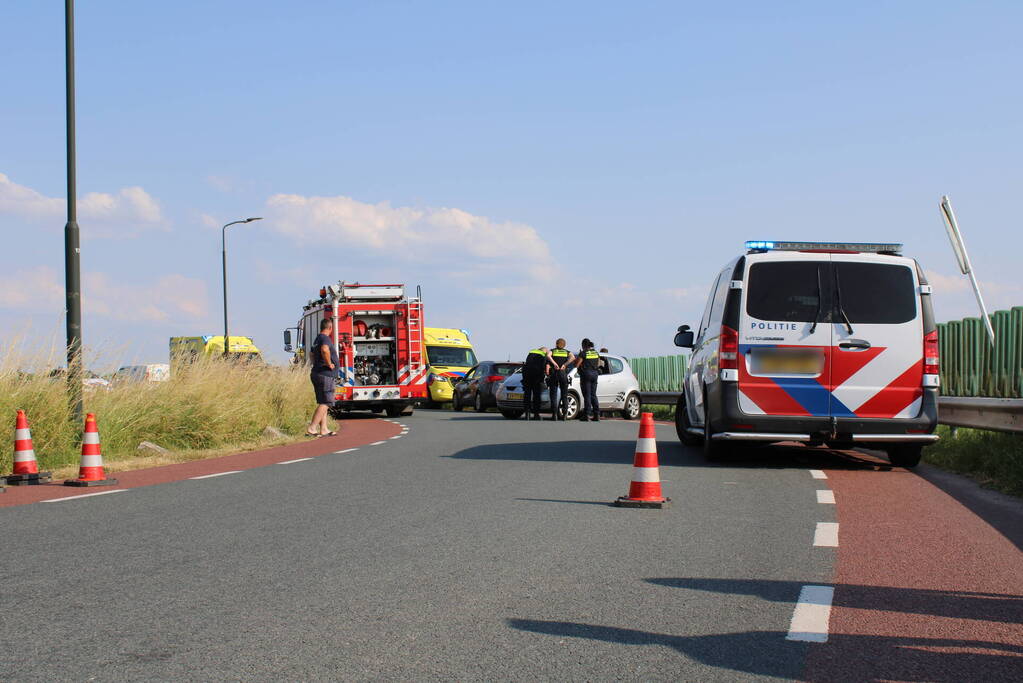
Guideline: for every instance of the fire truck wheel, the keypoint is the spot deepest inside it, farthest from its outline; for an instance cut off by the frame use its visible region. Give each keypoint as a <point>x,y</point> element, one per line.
<point>456,403</point>
<point>512,414</point>
<point>394,411</point>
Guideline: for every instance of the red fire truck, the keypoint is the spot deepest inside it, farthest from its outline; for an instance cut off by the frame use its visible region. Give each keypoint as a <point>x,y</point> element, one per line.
<point>378,334</point>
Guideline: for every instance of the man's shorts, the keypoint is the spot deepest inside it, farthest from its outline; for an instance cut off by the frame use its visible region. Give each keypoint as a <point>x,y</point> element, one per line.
<point>323,385</point>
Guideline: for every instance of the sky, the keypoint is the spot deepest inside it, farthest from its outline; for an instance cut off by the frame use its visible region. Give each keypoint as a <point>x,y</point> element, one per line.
<point>540,169</point>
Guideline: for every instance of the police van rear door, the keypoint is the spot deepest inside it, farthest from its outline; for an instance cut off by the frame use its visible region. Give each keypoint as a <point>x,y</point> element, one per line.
<point>785,338</point>
<point>877,364</point>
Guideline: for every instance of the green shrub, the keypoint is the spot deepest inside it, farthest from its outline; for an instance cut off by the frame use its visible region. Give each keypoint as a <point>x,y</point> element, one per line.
<point>994,459</point>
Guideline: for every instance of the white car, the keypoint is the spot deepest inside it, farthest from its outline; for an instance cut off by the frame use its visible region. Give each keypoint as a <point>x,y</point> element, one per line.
<point>617,389</point>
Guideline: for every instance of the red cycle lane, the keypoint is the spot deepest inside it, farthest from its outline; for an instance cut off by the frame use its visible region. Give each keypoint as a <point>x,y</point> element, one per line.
<point>925,590</point>
<point>352,434</point>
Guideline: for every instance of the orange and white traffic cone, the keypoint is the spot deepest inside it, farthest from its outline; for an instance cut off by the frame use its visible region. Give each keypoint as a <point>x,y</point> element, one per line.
<point>26,469</point>
<point>91,473</point>
<point>645,489</point>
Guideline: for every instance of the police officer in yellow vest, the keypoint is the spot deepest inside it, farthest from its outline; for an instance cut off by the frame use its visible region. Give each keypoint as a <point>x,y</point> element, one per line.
<point>534,371</point>
<point>588,363</point>
<point>560,360</point>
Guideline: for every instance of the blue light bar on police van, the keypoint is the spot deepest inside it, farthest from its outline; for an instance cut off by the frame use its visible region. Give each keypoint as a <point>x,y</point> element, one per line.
<point>855,247</point>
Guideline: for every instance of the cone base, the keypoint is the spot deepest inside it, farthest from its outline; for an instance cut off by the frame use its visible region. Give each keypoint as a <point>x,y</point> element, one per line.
<point>625,502</point>
<point>90,482</point>
<point>28,479</point>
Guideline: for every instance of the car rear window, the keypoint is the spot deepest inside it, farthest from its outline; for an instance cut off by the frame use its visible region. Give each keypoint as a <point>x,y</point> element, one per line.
<point>785,290</point>
<point>876,293</point>
<point>505,369</point>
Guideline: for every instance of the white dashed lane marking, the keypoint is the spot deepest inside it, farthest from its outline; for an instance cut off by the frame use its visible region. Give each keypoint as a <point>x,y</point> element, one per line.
<point>377,443</point>
<point>826,535</point>
<point>84,495</point>
<point>290,462</point>
<point>826,496</point>
<point>812,614</point>
<point>818,474</point>
<point>347,450</point>
<point>218,474</point>
<point>396,437</point>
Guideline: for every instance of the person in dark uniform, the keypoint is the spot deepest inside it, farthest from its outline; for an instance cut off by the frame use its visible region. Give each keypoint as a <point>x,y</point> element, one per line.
<point>559,359</point>
<point>588,362</point>
<point>534,371</point>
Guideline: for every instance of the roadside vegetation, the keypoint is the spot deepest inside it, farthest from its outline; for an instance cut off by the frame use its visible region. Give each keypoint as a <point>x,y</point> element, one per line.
<point>993,459</point>
<point>206,408</point>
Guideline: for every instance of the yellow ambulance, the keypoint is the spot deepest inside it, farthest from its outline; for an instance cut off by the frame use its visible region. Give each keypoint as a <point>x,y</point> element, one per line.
<point>449,354</point>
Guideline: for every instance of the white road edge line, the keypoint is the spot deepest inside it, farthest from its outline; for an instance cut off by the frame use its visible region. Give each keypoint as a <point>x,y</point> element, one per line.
<point>826,496</point>
<point>826,535</point>
<point>290,462</point>
<point>397,437</point>
<point>84,495</point>
<point>812,614</point>
<point>377,443</point>
<point>347,450</point>
<point>818,474</point>
<point>218,474</point>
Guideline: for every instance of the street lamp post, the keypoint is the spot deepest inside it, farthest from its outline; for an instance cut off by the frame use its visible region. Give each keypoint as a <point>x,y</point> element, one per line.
<point>223,253</point>
<point>72,263</point>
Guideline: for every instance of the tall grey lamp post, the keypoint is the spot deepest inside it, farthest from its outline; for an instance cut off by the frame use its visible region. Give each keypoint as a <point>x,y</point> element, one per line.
<point>72,273</point>
<point>223,251</point>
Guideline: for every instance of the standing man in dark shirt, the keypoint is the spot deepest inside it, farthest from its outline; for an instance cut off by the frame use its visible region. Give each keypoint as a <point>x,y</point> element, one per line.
<point>323,375</point>
<point>588,362</point>
<point>534,371</point>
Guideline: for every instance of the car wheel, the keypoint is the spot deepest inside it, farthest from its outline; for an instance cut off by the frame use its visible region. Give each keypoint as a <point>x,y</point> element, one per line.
<point>572,410</point>
<point>478,403</point>
<point>712,450</point>
<point>905,455</point>
<point>512,414</point>
<point>456,403</point>
<point>632,407</point>
<point>682,424</point>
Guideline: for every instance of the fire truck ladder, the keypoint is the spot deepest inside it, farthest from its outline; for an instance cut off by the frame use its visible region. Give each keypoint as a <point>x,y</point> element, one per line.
<point>414,318</point>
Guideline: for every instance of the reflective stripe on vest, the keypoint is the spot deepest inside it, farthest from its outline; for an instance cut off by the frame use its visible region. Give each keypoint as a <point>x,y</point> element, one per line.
<point>590,359</point>
<point>560,353</point>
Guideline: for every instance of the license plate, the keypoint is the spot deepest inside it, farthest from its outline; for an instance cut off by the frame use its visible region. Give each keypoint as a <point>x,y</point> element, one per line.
<point>786,362</point>
<point>514,397</point>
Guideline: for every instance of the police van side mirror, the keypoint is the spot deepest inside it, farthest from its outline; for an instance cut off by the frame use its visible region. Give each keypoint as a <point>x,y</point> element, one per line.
<point>684,337</point>
<point>287,340</point>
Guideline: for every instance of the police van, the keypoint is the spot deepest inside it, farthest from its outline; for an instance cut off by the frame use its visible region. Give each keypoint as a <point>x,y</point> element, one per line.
<point>819,343</point>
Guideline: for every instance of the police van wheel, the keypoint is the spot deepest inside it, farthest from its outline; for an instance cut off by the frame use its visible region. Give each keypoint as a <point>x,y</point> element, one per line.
<point>682,424</point>
<point>512,414</point>
<point>905,455</point>
<point>632,407</point>
<point>712,450</point>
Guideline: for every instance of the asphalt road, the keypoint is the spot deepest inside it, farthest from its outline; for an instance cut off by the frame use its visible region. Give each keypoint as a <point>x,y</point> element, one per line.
<point>473,548</point>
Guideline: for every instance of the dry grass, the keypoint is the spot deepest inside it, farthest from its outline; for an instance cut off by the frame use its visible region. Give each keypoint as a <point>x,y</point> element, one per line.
<point>205,409</point>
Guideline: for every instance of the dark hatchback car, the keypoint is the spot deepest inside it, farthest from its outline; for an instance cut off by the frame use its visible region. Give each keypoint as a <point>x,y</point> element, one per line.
<point>479,386</point>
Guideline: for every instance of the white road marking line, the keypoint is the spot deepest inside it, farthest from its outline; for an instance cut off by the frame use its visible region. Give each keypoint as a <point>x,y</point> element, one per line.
<point>401,425</point>
<point>289,462</point>
<point>84,495</point>
<point>347,450</point>
<point>826,535</point>
<point>218,474</point>
<point>377,443</point>
<point>818,474</point>
<point>826,496</point>
<point>812,613</point>
<point>396,437</point>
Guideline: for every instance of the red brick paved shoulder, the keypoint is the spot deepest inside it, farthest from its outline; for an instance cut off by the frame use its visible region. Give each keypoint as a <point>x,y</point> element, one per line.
<point>352,434</point>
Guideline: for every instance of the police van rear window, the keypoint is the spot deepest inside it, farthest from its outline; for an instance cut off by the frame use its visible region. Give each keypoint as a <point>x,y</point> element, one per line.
<point>785,290</point>
<point>876,293</point>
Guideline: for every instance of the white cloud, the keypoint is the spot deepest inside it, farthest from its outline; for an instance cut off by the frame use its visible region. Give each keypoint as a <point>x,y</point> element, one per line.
<point>170,297</point>
<point>407,233</point>
<point>126,213</point>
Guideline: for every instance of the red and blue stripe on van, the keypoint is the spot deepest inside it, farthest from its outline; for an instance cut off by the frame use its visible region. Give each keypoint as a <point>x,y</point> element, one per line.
<point>822,396</point>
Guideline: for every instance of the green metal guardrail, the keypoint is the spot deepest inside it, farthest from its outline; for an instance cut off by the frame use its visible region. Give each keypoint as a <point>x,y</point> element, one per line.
<point>660,373</point>
<point>971,367</point>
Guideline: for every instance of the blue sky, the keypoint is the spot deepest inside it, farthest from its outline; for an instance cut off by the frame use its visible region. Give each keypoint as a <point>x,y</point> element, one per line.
<point>541,169</point>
